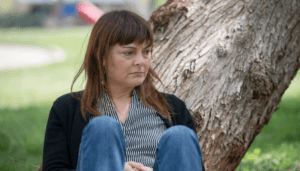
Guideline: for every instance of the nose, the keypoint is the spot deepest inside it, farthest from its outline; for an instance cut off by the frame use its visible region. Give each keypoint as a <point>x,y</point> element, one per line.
<point>139,59</point>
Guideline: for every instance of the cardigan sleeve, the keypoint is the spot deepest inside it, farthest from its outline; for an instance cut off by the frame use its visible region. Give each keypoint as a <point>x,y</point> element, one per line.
<point>56,155</point>
<point>182,115</point>
<point>187,117</point>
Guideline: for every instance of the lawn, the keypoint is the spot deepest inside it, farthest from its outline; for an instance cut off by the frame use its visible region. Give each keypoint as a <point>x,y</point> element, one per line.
<point>27,95</point>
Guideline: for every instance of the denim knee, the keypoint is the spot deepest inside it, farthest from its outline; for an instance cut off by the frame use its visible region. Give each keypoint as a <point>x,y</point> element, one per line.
<point>103,125</point>
<point>179,145</point>
<point>102,143</point>
<point>179,132</point>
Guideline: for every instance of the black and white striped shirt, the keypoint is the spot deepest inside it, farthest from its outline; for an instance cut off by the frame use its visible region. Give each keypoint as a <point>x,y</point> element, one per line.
<point>143,129</point>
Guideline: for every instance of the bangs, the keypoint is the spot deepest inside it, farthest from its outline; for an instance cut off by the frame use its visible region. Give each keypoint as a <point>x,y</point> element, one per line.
<point>130,28</point>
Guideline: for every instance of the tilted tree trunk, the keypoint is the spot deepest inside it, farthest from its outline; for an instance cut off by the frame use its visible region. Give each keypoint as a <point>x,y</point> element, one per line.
<point>230,61</point>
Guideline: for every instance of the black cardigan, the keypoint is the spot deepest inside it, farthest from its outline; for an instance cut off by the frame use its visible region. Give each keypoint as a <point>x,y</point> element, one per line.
<point>65,126</point>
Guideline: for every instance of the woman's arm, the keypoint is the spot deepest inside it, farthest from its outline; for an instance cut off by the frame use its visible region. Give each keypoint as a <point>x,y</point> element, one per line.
<point>56,155</point>
<point>188,118</point>
<point>182,115</point>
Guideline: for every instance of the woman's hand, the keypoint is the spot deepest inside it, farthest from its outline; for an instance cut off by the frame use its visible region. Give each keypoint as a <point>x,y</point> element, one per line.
<point>134,166</point>
<point>148,168</point>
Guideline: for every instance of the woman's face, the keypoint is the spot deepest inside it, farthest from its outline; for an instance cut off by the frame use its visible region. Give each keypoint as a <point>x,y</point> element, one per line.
<point>127,65</point>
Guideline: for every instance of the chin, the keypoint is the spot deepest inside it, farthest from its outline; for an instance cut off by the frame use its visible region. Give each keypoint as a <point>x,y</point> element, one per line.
<point>137,82</point>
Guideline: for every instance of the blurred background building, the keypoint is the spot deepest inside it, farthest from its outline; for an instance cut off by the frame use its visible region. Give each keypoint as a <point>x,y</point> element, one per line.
<point>61,13</point>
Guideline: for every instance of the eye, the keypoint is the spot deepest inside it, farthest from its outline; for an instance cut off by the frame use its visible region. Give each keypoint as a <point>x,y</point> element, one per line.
<point>147,52</point>
<point>128,53</point>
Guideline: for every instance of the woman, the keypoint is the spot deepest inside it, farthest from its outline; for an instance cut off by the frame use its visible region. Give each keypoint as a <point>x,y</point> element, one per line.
<point>137,128</point>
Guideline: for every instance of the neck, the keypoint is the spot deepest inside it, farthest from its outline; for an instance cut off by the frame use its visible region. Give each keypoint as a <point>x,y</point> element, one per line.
<point>118,92</point>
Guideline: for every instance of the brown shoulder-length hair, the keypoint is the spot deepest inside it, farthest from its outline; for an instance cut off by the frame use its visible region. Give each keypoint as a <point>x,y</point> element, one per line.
<point>117,27</point>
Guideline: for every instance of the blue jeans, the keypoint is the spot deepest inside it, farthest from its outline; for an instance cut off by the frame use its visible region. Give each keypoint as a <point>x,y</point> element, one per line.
<point>103,148</point>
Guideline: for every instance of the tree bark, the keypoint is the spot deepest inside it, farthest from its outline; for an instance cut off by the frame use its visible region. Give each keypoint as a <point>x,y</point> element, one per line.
<point>230,61</point>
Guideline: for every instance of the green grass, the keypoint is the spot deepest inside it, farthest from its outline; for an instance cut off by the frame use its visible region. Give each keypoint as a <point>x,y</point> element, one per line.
<point>277,147</point>
<point>27,96</point>
<point>158,3</point>
<point>22,131</point>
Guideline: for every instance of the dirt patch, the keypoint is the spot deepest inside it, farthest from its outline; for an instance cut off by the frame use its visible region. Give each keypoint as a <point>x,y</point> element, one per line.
<point>14,56</point>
